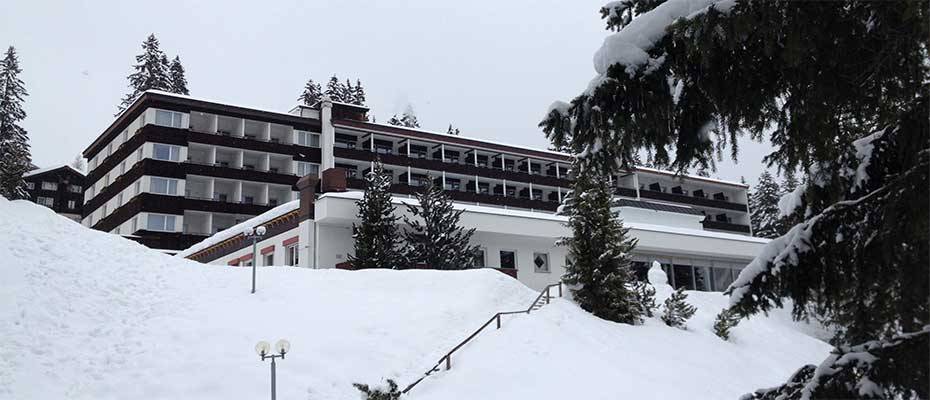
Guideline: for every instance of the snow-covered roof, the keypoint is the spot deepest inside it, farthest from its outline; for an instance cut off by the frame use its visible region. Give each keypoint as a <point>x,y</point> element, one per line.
<point>181,96</point>
<point>692,177</point>
<point>234,230</point>
<point>49,169</point>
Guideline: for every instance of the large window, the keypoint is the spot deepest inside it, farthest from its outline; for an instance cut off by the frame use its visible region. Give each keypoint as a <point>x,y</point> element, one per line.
<point>291,255</point>
<point>49,186</point>
<point>508,259</point>
<point>160,222</point>
<point>30,185</point>
<point>164,186</point>
<point>268,259</point>
<point>305,168</point>
<point>168,118</point>
<point>74,188</point>
<point>166,152</point>
<point>46,201</point>
<point>308,139</point>
<point>72,204</point>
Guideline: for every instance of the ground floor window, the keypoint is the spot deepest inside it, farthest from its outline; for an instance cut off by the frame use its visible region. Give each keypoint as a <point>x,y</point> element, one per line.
<point>269,259</point>
<point>291,255</point>
<point>508,259</point>
<point>160,222</point>
<point>541,262</point>
<point>46,201</point>
<point>480,258</point>
<point>690,274</point>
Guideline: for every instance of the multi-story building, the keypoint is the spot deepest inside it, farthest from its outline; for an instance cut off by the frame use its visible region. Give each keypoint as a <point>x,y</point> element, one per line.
<point>60,188</point>
<point>172,171</point>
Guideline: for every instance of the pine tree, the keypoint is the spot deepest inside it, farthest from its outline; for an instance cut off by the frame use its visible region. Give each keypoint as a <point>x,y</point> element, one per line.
<point>599,266</point>
<point>79,164</point>
<point>348,92</point>
<point>645,298</point>
<point>763,206</point>
<point>176,77</point>
<point>434,236</point>
<point>453,131</point>
<point>334,89</point>
<point>395,121</point>
<point>676,311</point>
<point>409,118</point>
<point>392,392</point>
<point>14,142</point>
<point>312,93</point>
<point>358,95</point>
<point>151,72</point>
<point>377,238</point>
<point>856,126</point>
<point>725,321</point>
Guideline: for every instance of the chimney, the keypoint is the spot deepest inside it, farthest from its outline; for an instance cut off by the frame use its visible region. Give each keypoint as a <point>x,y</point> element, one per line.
<point>327,133</point>
<point>307,188</point>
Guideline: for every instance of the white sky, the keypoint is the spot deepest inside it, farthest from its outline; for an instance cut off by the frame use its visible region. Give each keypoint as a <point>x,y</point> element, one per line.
<point>489,67</point>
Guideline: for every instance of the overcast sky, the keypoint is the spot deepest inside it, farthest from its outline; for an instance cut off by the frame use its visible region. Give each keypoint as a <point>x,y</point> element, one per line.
<point>491,68</point>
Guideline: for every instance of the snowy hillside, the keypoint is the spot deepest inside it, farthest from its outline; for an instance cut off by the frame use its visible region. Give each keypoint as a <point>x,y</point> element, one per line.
<point>87,315</point>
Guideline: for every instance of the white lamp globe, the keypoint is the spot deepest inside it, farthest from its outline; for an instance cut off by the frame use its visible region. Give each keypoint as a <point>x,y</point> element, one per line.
<point>283,346</point>
<point>262,348</point>
<point>247,232</point>
<point>260,231</point>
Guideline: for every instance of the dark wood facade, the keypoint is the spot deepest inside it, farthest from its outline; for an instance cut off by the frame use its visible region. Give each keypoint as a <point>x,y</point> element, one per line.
<point>69,189</point>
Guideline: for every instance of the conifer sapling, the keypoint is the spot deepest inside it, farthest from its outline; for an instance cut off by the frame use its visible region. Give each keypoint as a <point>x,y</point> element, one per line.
<point>676,311</point>
<point>725,321</point>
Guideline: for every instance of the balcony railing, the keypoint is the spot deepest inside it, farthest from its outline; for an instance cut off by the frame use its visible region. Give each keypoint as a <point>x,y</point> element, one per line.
<point>698,201</point>
<point>725,226</point>
<point>469,196</point>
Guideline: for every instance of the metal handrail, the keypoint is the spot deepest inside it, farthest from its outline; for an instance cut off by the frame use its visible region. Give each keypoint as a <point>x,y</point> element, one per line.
<point>447,358</point>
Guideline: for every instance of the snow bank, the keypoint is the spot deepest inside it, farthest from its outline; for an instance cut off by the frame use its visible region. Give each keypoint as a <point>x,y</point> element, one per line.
<point>89,315</point>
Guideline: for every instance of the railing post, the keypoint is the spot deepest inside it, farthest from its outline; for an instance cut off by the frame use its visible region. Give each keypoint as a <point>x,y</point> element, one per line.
<point>547,294</point>
<point>560,289</point>
<point>448,362</point>
<point>498,320</point>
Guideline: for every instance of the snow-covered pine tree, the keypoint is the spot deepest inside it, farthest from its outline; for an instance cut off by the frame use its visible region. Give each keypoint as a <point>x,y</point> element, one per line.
<point>645,298</point>
<point>14,143</point>
<point>79,164</point>
<point>599,266</point>
<point>348,92</point>
<point>312,93</point>
<point>434,237</point>
<point>763,206</point>
<point>358,95</point>
<point>334,89</point>
<point>858,131</point>
<point>176,77</point>
<point>391,392</point>
<point>409,118</point>
<point>151,72</point>
<point>676,310</point>
<point>453,131</point>
<point>378,241</point>
<point>725,321</point>
<point>395,121</point>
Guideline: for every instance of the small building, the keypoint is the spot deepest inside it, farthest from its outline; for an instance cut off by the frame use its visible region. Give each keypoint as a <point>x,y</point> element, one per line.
<point>60,188</point>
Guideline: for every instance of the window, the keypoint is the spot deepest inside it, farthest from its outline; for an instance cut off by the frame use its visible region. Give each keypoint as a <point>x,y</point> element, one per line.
<point>480,261</point>
<point>246,263</point>
<point>119,199</point>
<point>139,154</point>
<point>122,168</point>
<point>74,188</point>
<point>541,262</point>
<point>164,186</point>
<point>168,118</point>
<point>103,212</point>
<point>291,255</point>
<point>125,135</point>
<point>138,186</point>
<point>49,186</point>
<point>135,224</point>
<point>165,152</point>
<point>72,204</point>
<point>90,191</point>
<point>305,168</point>
<point>30,185</point>
<point>508,259</point>
<point>683,277</point>
<point>46,201</point>
<point>268,259</point>
<point>308,139</point>
<point>159,222</point>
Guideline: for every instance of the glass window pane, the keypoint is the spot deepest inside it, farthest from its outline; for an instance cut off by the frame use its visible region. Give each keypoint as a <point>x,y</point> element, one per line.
<point>541,262</point>
<point>161,152</point>
<point>508,259</point>
<point>479,258</point>
<point>683,277</point>
<point>162,118</point>
<point>722,277</point>
<point>156,222</point>
<point>314,140</point>
<point>700,279</point>
<point>640,270</point>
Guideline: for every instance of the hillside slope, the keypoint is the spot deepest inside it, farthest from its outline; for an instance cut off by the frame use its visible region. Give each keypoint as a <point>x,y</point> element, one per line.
<point>88,315</point>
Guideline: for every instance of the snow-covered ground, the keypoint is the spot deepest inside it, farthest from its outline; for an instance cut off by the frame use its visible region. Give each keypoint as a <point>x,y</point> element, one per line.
<point>87,315</point>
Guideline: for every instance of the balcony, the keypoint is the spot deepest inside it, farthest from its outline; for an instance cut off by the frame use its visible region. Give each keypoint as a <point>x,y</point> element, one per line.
<point>694,200</point>
<point>725,226</point>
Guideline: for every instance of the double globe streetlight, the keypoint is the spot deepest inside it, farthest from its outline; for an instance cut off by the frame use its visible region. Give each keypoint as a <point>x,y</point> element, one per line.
<point>256,235</point>
<point>263,349</point>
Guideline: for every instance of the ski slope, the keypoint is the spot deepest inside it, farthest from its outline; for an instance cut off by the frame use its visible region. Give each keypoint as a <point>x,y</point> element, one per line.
<point>88,315</point>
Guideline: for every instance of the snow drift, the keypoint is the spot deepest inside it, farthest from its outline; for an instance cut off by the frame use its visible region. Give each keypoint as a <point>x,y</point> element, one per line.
<point>88,315</point>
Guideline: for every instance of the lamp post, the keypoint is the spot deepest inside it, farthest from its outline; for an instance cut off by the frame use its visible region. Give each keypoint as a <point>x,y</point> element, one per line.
<point>256,235</point>
<point>263,349</point>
